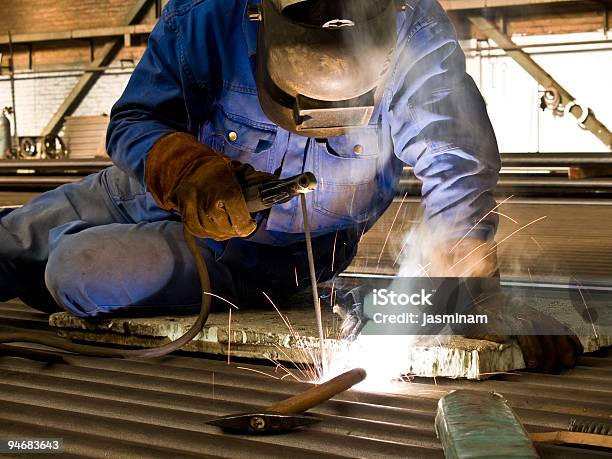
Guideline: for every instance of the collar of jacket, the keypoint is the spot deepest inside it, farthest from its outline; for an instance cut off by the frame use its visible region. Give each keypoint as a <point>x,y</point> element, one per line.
<point>250,28</point>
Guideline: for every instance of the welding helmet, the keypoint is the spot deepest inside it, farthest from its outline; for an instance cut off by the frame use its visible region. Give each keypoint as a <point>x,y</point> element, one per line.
<point>322,64</point>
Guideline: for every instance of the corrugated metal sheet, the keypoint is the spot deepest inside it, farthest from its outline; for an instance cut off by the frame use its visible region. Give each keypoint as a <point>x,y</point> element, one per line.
<point>571,241</point>
<point>117,408</point>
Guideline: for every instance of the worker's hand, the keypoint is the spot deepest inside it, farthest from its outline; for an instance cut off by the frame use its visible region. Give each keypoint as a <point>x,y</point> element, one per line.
<point>467,258</point>
<point>511,318</point>
<point>185,176</point>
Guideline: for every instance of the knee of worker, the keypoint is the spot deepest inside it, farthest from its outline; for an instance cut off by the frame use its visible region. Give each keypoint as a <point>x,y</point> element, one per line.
<point>106,270</point>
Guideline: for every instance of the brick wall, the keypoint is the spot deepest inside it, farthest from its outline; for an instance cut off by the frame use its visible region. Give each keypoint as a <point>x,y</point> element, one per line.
<point>21,16</point>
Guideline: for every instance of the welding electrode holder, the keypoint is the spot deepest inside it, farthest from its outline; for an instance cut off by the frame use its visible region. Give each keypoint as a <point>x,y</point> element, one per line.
<point>269,194</point>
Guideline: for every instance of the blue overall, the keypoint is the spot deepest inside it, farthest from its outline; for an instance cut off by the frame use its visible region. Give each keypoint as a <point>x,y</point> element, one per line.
<point>106,248</point>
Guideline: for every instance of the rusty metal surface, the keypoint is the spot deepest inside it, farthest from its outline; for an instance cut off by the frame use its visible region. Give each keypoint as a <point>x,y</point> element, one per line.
<point>118,408</point>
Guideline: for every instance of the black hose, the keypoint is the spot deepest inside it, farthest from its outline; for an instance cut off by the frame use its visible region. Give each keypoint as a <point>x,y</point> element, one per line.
<point>95,351</point>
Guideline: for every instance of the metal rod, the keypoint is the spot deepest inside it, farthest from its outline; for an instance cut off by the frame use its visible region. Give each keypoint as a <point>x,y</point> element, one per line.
<point>313,282</point>
<point>539,45</point>
<point>555,159</point>
<point>12,80</point>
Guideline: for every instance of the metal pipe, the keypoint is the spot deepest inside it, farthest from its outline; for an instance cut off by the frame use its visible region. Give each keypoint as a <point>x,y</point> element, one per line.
<point>539,45</point>
<point>12,82</point>
<point>543,182</point>
<point>54,165</point>
<point>555,159</point>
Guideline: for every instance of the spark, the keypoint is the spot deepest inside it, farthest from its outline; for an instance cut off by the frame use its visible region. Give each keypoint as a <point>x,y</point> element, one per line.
<point>500,242</point>
<point>352,201</point>
<point>537,243</point>
<point>277,310</point>
<point>504,215</point>
<point>362,233</point>
<point>424,269</point>
<point>301,368</point>
<point>229,335</point>
<point>400,252</point>
<point>307,352</point>
<point>520,229</point>
<point>257,371</point>
<point>222,299</point>
<point>334,252</point>
<point>479,222</point>
<point>297,282</point>
<point>282,367</point>
<point>391,228</point>
<point>469,253</point>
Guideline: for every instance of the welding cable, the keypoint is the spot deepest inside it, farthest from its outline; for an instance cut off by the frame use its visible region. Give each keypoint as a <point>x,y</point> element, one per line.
<point>95,351</point>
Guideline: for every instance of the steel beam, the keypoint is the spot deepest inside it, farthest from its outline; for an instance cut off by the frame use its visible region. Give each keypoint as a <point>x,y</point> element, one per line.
<point>477,4</point>
<point>590,122</point>
<point>77,34</point>
<point>105,56</point>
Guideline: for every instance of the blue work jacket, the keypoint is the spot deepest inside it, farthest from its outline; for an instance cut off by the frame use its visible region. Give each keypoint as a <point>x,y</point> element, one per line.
<point>197,76</point>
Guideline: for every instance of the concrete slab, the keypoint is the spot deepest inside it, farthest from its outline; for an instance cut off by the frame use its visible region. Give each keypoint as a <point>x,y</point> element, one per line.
<point>265,334</point>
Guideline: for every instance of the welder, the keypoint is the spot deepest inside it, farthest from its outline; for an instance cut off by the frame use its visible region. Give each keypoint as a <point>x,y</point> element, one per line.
<point>230,93</point>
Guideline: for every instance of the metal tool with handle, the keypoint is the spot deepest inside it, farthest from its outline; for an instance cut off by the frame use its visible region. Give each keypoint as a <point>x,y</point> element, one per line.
<point>287,415</point>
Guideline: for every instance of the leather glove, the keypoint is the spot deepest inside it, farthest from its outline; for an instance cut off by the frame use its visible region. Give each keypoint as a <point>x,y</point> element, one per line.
<point>511,317</point>
<point>201,184</point>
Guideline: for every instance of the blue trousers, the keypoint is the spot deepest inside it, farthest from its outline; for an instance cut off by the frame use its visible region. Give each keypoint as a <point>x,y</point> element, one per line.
<point>102,247</point>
